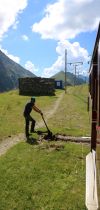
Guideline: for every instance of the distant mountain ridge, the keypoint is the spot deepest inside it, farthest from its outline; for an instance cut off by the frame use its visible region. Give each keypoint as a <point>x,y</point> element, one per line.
<point>71,79</point>
<point>10,71</point>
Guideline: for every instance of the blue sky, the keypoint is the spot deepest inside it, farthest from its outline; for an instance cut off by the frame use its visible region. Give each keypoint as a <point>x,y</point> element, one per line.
<point>35,33</point>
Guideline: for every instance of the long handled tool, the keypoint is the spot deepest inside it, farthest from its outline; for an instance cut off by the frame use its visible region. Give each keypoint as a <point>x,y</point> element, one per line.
<point>49,132</point>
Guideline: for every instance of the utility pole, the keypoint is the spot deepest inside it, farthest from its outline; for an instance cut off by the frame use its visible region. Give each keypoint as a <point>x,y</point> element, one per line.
<point>75,64</point>
<point>65,71</point>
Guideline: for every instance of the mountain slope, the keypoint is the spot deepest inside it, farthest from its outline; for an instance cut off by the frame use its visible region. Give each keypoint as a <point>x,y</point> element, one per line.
<point>10,72</point>
<point>70,78</point>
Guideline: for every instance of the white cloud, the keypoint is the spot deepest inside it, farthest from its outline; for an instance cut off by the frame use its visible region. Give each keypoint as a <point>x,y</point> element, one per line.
<point>31,67</point>
<point>25,38</point>
<point>15,24</point>
<point>9,11</point>
<point>12,57</point>
<point>65,19</point>
<point>75,53</point>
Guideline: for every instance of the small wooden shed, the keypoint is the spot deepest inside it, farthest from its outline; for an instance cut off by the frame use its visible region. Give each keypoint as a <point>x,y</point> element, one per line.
<point>36,86</point>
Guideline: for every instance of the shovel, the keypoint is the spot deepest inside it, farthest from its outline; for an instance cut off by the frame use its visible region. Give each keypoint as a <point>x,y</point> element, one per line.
<point>49,132</point>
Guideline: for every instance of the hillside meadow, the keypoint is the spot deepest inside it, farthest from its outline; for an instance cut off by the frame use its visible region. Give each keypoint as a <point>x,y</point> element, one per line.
<point>49,175</point>
<point>46,176</point>
<point>71,117</point>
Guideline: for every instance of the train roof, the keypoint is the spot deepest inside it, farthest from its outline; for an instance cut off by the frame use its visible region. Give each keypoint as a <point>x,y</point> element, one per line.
<point>95,46</point>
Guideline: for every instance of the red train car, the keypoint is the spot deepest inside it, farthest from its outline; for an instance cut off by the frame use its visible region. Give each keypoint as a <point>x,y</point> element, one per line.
<point>93,158</point>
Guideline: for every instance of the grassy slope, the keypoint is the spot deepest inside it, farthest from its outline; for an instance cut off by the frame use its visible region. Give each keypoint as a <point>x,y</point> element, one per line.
<point>11,111</point>
<point>40,177</point>
<point>71,118</point>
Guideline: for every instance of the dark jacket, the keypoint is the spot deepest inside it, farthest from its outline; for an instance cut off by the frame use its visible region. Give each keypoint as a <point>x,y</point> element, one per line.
<point>28,108</point>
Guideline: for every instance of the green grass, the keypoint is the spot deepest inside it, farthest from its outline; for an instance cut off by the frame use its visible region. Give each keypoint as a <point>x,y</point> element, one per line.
<point>49,176</point>
<point>12,107</point>
<point>71,117</point>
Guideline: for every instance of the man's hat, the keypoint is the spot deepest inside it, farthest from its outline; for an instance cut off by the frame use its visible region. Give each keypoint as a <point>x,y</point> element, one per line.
<point>32,99</point>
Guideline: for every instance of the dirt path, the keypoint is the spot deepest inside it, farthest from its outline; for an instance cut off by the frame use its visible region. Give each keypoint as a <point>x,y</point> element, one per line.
<point>10,141</point>
<point>51,112</point>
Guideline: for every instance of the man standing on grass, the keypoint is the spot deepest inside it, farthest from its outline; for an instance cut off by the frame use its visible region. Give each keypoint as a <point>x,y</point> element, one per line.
<point>28,108</point>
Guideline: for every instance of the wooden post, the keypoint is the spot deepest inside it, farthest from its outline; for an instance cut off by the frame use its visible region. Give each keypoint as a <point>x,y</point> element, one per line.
<point>75,76</point>
<point>65,71</point>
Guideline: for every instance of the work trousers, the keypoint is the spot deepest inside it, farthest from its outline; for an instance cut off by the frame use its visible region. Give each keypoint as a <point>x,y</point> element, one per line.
<point>29,119</point>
